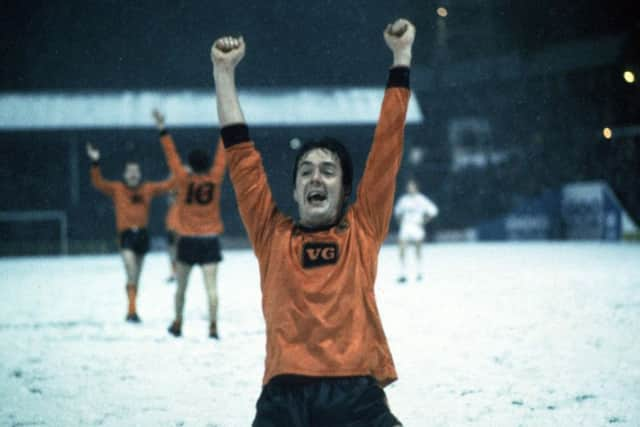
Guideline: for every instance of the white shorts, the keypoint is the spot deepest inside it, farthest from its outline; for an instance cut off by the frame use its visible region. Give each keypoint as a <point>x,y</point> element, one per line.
<point>411,233</point>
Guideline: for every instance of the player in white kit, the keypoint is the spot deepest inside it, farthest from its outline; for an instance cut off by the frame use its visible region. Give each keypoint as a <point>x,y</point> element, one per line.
<point>413,211</point>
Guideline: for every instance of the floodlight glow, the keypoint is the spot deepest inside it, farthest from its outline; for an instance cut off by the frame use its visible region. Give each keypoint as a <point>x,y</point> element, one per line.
<point>295,143</point>
<point>629,77</point>
<point>442,12</point>
<point>607,133</point>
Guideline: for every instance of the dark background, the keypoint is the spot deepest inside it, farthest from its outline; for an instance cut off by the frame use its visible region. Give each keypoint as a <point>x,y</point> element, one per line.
<point>546,76</point>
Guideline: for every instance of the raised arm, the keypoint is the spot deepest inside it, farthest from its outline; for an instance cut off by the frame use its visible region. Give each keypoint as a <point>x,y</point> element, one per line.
<point>168,146</point>
<point>97,179</point>
<point>219,162</point>
<point>160,187</point>
<point>255,202</point>
<point>226,54</point>
<point>374,201</point>
<point>399,36</point>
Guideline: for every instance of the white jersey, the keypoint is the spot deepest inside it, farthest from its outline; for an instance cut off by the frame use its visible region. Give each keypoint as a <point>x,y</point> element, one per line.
<point>413,211</point>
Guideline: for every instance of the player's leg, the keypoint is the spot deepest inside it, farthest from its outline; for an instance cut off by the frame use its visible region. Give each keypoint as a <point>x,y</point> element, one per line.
<point>138,261</point>
<point>182,277</point>
<point>139,243</point>
<point>210,274</point>
<point>418,246</point>
<point>127,254</point>
<point>132,268</point>
<point>402,249</point>
<point>172,249</point>
<point>210,255</point>
<point>186,257</point>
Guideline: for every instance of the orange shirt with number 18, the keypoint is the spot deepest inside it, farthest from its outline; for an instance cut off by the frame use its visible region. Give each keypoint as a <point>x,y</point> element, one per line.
<point>198,198</point>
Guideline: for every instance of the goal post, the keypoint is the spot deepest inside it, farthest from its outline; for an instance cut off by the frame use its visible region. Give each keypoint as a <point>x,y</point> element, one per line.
<point>58,216</point>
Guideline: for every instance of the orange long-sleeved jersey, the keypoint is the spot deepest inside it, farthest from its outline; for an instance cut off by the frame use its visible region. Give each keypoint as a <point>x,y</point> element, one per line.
<point>198,198</point>
<point>131,203</point>
<point>317,286</point>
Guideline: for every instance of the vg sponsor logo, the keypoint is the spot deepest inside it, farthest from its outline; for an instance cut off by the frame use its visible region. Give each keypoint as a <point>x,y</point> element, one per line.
<point>317,254</point>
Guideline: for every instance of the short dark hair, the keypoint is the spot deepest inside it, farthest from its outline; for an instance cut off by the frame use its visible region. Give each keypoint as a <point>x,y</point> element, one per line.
<point>334,146</point>
<point>199,160</point>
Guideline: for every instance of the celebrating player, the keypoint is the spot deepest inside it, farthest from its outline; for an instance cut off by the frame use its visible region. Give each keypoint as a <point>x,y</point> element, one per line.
<point>327,354</point>
<point>413,210</point>
<point>131,199</point>
<point>198,222</point>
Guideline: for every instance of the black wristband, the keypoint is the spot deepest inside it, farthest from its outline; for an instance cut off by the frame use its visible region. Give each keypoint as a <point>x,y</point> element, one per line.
<point>399,77</point>
<point>164,132</point>
<point>95,163</point>
<point>234,134</point>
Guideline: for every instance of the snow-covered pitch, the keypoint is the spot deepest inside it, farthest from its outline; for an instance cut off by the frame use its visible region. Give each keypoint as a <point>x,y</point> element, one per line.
<point>530,334</point>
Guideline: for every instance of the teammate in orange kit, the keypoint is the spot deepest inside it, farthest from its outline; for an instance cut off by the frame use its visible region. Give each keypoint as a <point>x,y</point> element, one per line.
<point>131,199</point>
<point>327,354</point>
<point>198,222</point>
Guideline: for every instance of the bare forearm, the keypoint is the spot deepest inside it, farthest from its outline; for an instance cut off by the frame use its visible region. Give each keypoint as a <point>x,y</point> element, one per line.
<point>226,53</point>
<point>170,153</point>
<point>402,58</point>
<point>229,111</point>
<point>98,180</point>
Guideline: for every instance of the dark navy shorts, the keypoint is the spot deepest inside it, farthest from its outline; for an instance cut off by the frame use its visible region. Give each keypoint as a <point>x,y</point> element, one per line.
<point>199,250</point>
<point>135,239</point>
<point>296,401</point>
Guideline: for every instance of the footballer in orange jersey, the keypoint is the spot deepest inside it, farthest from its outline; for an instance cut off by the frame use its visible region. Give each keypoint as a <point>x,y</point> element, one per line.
<point>327,354</point>
<point>198,221</point>
<point>132,200</point>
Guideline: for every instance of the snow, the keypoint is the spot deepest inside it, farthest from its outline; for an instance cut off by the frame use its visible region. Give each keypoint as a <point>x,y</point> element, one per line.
<point>505,334</point>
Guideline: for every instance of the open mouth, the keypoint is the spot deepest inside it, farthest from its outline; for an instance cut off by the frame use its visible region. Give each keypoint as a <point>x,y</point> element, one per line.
<point>316,197</point>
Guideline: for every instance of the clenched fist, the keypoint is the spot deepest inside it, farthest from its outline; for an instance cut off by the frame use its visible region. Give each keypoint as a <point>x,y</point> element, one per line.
<point>399,37</point>
<point>158,117</point>
<point>227,51</point>
<point>92,152</point>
